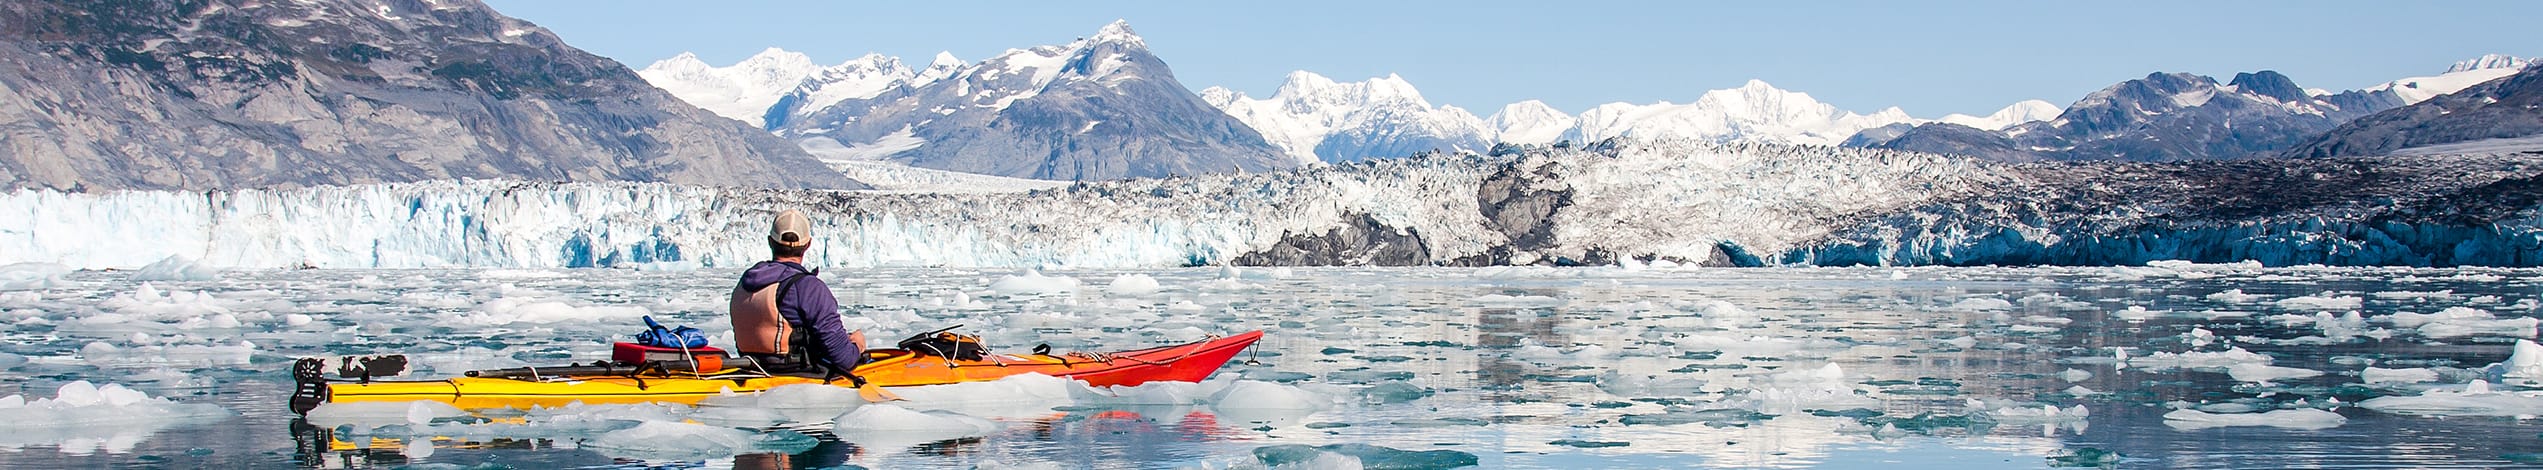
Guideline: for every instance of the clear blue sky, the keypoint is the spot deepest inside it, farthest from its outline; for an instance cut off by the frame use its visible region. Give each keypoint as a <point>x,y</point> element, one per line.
<point>1931,58</point>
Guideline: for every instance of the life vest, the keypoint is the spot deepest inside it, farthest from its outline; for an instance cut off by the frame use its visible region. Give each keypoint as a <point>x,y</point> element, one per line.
<point>757,326</point>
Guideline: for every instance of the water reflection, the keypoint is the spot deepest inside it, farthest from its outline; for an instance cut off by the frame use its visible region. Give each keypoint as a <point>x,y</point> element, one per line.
<point>1517,367</point>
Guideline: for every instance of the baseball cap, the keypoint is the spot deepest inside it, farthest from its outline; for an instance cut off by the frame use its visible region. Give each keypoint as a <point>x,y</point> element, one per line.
<point>791,229</point>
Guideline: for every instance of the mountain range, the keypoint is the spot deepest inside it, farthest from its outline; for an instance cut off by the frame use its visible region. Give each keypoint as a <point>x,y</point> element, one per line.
<point>1312,119</point>
<point>1100,107</point>
<point>2502,114</point>
<point>250,94</point>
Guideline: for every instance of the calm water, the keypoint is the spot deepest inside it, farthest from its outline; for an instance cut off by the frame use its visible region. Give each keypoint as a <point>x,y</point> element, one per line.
<point>1523,367</point>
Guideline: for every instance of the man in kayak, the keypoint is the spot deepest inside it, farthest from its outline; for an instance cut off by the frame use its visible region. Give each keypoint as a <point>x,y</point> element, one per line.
<point>784,318</point>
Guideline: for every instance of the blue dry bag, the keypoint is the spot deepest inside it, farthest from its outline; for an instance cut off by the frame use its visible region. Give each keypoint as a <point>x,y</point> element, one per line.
<point>683,337</point>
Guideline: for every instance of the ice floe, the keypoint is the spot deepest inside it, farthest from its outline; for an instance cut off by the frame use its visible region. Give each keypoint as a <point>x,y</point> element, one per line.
<point>2299,418</point>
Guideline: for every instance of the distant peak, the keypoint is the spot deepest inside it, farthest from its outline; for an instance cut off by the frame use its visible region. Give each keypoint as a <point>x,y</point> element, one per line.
<point>2269,83</point>
<point>945,58</point>
<point>773,57</point>
<point>1118,32</point>
<point>1529,106</point>
<point>1301,82</point>
<point>1756,84</point>
<point>685,61</point>
<point>2490,61</point>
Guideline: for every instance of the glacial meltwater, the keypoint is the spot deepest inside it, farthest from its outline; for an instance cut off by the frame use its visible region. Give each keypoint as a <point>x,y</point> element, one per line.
<point>2167,366</point>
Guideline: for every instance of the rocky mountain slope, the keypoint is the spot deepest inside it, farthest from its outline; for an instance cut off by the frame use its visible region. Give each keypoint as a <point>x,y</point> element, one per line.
<point>243,93</point>
<point>2509,107</point>
<point>2162,117</point>
<point>2187,117</point>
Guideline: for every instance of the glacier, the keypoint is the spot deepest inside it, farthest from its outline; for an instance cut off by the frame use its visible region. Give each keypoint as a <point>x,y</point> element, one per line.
<point>1617,201</point>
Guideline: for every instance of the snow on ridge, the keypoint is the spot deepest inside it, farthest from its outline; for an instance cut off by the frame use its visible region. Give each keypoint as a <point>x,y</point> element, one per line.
<point>2462,75</point>
<point>2022,112</point>
<point>2491,61</point>
<point>1132,223</point>
<point>1309,110</point>
<point>747,89</point>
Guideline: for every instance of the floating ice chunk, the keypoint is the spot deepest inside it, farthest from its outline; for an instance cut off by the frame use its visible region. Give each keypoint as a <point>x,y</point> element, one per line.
<point>1133,285</point>
<point>188,354</point>
<point>2524,364</point>
<point>2074,375</point>
<point>2234,296</point>
<point>2378,375</point>
<point>2039,414</point>
<point>884,417</point>
<point>688,441</point>
<point>22,276</point>
<point>2136,313</point>
<point>796,403</point>
<point>1015,395</point>
<point>2300,418</point>
<point>1807,388</point>
<point>2190,360</point>
<point>80,403</point>
<point>2464,321</point>
<point>1720,314</point>
<point>1499,300</point>
<point>1032,282</point>
<point>2340,328</point>
<point>2265,373</point>
<point>889,426</point>
<point>2321,302</point>
<point>1975,304</point>
<point>376,414</point>
<point>2476,399</point>
<point>2414,295</point>
<point>176,268</point>
<point>510,310</point>
<point>83,418</point>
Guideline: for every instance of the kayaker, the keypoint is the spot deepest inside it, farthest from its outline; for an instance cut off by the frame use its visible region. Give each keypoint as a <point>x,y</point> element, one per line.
<point>784,318</point>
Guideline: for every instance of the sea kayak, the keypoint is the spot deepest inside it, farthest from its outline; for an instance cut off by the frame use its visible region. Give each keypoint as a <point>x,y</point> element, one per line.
<point>884,368</point>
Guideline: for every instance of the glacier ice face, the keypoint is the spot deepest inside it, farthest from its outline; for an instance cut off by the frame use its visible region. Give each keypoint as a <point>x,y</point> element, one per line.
<point>1679,201</point>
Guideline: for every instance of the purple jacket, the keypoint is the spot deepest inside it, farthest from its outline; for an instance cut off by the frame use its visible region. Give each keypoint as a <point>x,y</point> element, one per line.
<point>809,307</point>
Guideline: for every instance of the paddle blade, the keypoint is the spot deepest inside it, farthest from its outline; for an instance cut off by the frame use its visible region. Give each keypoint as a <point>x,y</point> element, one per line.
<point>874,394</point>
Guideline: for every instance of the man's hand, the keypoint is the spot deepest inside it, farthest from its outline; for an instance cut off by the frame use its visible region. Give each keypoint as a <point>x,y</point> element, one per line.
<point>857,337</point>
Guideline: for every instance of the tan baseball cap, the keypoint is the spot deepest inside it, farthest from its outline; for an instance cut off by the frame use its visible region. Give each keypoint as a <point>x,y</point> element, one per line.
<point>791,229</point>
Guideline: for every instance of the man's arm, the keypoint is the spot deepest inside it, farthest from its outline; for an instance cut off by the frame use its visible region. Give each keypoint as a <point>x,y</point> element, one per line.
<point>821,320</point>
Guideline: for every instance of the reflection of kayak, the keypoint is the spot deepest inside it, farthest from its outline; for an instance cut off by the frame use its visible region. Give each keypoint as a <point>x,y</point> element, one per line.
<point>558,386</point>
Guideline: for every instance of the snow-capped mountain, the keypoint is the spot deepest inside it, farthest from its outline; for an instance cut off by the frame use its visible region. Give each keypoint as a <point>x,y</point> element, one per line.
<point>777,85</point>
<point>245,94</point>
<point>2164,116</point>
<point>2463,75</point>
<point>1317,120</point>
<point>2503,114</point>
<point>742,91</point>
<point>2018,113</point>
<point>1101,107</point>
<point>1530,122</point>
<point>1754,112</point>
